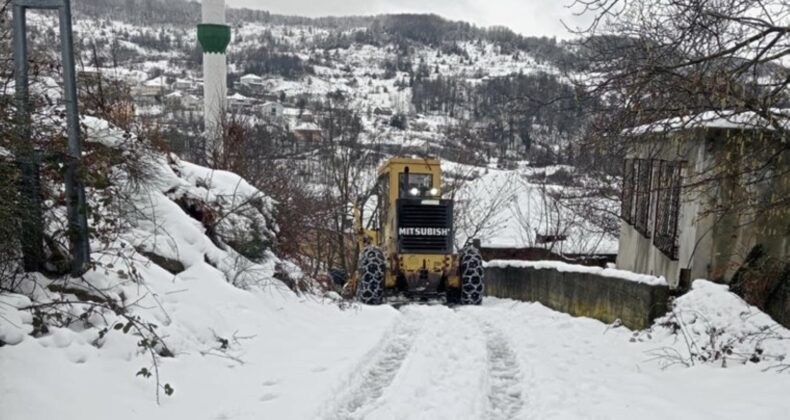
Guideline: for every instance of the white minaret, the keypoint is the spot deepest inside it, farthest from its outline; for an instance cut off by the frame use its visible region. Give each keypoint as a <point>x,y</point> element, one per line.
<point>214,37</point>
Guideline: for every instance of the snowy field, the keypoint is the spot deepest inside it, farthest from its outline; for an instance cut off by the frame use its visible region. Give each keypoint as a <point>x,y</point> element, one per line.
<point>303,359</point>
<point>506,209</point>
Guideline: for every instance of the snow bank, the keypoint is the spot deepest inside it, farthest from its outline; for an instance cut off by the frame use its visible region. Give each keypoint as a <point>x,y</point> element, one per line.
<point>217,311</point>
<point>14,325</point>
<point>245,212</point>
<point>580,368</point>
<point>574,268</point>
<point>710,324</point>
<point>100,131</point>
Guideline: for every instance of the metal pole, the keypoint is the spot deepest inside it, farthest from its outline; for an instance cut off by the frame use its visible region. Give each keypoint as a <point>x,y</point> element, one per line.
<point>32,238</point>
<point>30,185</point>
<point>75,191</point>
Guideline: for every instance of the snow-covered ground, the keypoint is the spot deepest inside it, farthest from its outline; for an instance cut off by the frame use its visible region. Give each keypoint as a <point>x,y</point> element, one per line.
<point>507,209</point>
<point>299,358</point>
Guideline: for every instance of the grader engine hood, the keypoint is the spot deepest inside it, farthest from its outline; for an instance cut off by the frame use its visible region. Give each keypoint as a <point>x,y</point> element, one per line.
<point>424,226</point>
<point>425,243</point>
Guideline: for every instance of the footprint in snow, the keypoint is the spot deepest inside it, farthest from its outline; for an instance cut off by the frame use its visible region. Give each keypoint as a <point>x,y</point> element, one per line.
<point>268,397</point>
<point>271,382</point>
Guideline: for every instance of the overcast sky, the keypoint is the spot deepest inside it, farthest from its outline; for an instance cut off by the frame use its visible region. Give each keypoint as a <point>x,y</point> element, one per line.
<point>529,17</point>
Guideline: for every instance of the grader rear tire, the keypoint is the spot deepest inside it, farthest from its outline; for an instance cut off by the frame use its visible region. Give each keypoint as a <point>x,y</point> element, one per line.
<point>372,266</point>
<point>471,268</point>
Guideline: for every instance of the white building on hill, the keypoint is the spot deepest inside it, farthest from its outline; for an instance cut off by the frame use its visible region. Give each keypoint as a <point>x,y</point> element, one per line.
<point>271,111</point>
<point>251,80</point>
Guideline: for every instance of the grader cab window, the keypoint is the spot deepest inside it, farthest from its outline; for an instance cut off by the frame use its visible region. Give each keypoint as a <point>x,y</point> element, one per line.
<point>418,185</point>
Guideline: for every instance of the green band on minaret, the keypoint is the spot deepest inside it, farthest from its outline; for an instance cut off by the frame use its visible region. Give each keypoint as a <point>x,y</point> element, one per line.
<point>214,38</point>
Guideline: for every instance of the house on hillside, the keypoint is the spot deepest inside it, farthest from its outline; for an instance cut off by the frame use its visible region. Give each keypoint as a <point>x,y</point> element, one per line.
<point>271,111</point>
<point>191,102</point>
<point>173,99</point>
<point>251,80</point>
<point>157,86</point>
<point>295,115</point>
<point>239,103</point>
<point>183,101</point>
<point>152,91</point>
<point>689,209</point>
<point>184,84</point>
<point>307,132</point>
<point>251,84</point>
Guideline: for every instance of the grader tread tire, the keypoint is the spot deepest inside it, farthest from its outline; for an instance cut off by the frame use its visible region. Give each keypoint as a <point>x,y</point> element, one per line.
<point>471,268</point>
<point>372,266</point>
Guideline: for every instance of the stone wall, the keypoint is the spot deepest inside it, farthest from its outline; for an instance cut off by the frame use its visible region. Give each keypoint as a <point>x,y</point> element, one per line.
<point>581,293</point>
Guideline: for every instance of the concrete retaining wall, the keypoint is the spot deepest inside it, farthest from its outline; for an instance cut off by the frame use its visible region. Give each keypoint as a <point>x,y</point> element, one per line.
<point>587,294</point>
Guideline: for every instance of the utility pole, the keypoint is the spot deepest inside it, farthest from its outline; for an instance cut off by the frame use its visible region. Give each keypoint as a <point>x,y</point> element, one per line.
<point>30,187</point>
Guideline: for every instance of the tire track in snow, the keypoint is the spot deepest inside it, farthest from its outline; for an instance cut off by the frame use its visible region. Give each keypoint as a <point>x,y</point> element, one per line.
<point>377,373</point>
<point>504,392</point>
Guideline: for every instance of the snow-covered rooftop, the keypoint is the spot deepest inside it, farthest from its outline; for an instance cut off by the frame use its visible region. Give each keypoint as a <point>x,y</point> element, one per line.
<point>747,120</point>
<point>239,97</point>
<point>307,126</point>
<point>160,81</point>
<point>251,78</point>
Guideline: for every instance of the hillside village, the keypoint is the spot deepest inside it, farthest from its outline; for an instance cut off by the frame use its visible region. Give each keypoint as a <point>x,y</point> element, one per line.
<point>374,79</point>
<point>411,97</point>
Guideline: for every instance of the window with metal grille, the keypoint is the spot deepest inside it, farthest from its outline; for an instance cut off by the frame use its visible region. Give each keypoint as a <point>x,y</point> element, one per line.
<point>668,208</point>
<point>643,171</point>
<point>627,199</point>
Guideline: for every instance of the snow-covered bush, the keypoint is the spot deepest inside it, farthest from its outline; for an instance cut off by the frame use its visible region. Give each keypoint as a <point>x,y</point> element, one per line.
<point>710,324</point>
<point>10,270</point>
<point>156,223</point>
<point>237,213</point>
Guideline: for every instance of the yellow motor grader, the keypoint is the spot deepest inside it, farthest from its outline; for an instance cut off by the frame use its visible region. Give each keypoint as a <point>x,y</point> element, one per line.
<point>406,245</point>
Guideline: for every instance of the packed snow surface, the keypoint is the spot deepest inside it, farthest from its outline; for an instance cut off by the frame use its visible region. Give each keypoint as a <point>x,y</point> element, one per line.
<point>304,359</point>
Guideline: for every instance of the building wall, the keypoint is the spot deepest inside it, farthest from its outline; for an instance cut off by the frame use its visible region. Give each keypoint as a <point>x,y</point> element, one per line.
<point>734,235</point>
<point>711,245</point>
<point>636,251</point>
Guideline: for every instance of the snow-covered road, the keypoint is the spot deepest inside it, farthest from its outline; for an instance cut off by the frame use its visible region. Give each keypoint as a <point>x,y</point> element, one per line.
<point>509,360</point>
<point>310,360</point>
<point>432,351</point>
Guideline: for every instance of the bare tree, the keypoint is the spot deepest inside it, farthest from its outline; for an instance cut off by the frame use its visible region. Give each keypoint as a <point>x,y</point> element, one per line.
<point>655,59</point>
<point>346,159</point>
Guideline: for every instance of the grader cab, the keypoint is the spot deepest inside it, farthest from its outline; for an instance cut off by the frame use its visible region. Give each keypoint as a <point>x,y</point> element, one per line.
<point>407,243</point>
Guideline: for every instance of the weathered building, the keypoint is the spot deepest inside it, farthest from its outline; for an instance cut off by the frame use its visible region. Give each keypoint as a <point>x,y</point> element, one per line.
<point>271,111</point>
<point>307,132</point>
<point>701,193</point>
